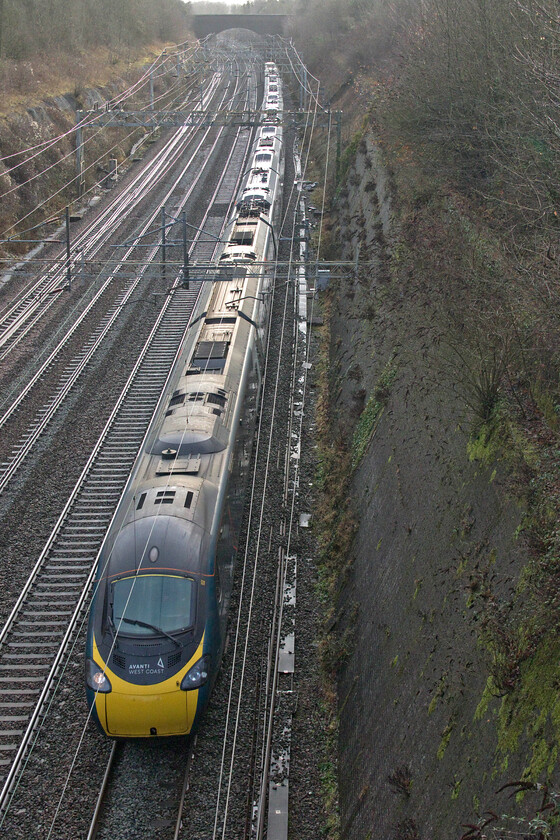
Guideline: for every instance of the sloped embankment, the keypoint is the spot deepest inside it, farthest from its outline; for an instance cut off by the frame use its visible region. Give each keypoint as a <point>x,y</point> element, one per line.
<point>38,148</point>
<point>436,537</point>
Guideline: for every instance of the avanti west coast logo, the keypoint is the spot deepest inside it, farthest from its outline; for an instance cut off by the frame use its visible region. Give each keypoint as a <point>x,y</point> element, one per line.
<point>146,667</point>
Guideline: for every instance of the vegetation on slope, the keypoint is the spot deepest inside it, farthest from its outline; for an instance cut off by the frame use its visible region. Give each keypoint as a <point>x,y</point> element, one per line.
<point>30,28</point>
<point>463,96</point>
<point>50,49</point>
<point>35,186</point>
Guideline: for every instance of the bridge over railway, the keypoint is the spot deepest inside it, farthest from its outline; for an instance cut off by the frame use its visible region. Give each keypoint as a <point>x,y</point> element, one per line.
<point>205,25</point>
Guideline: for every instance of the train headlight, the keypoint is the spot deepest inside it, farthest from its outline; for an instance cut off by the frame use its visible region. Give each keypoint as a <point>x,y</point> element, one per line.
<point>96,679</point>
<point>197,675</point>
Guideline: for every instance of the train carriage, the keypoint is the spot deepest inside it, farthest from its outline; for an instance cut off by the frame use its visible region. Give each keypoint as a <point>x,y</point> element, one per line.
<point>158,616</point>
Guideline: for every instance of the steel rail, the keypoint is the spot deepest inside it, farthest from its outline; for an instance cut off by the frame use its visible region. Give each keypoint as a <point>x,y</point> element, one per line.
<point>83,554</point>
<point>92,833</point>
<point>276,636</point>
<point>45,293</point>
<point>256,527</point>
<point>277,721</point>
<point>276,762</point>
<point>55,541</point>
<point>78,366</point>
<point>184,789</point>
<point>256,517</point>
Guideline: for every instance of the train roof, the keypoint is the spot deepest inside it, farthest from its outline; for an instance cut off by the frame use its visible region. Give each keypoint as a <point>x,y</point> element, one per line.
<point>162,542</point>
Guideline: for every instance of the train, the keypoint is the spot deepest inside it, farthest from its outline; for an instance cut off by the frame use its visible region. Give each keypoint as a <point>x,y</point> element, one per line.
<point>158,616</point>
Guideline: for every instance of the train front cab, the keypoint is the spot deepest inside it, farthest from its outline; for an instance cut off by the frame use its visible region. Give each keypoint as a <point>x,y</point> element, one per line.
<point>129,710</point>
<point>142,681</point>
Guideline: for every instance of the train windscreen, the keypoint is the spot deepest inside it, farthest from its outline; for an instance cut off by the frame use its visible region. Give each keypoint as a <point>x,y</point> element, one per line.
<point>152,604</point>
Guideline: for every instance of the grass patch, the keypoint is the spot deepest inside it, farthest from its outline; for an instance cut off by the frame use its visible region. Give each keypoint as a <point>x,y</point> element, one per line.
<point>329,778</point>
<point>532,712</point>
<point>372,412</point>
<point>348,156</point>
<point>487,441</point>
<point>445,738</point>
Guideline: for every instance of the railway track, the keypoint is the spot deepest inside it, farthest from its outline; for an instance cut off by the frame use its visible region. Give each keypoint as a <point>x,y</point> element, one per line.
<point>17,321</point>
<point>246,795</point>
<point>44,620</point>
<point>178,194</point>
<point>247,773</point>
<point>258,777</point>
<point>151,773</point>
<point>256,631</point>
<point>36,635</point>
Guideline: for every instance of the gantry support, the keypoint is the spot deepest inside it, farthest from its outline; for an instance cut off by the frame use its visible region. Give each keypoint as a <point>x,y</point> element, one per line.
<point>112,118</point>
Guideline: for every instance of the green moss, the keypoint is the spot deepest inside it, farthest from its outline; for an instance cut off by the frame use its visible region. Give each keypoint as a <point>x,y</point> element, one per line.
<point>371,414</point>
<point>488,695</point>
<point>365,428</point>
<point>445,738</point>
<point>461,567</point>
<point>485,444</point>
<point>532,708</point>
<point>349,154</point>
<point>540,760</point>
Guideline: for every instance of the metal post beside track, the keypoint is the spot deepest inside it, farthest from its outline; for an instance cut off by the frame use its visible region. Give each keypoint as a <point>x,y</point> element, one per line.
<point>68,266</point>
<point>163,243</point>
<point>185,253</point>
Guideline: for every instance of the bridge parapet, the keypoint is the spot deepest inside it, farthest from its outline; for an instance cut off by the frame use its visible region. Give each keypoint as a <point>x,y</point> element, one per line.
<point>205,25</point>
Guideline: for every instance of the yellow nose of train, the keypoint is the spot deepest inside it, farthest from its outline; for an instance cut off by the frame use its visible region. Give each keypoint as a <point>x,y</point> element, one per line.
<point>144,711</point>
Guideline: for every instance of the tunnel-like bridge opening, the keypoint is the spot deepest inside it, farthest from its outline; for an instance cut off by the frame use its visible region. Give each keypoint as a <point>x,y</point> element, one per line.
<point>205,25</point>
